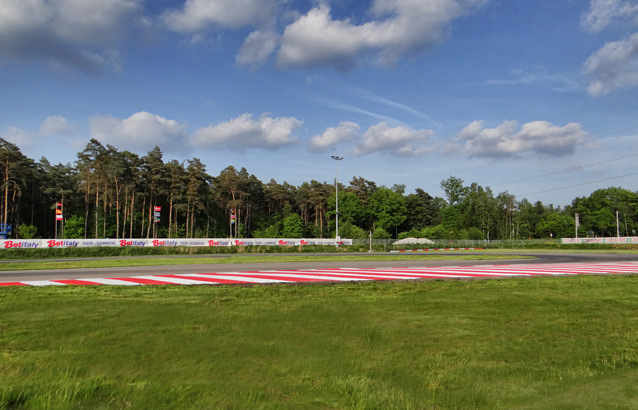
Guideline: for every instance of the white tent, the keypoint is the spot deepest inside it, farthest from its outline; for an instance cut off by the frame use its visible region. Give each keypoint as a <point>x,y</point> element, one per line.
<point>413,241</point>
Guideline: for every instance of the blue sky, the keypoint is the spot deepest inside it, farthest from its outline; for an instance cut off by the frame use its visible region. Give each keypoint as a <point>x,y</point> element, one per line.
<point>539,98</point>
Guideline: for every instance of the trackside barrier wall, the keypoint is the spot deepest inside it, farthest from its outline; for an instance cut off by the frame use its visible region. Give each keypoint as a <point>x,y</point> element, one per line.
<point>615,240</point>
<point>150,243</point>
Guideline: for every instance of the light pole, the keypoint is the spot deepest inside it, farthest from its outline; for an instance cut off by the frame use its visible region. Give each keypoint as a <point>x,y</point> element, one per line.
<point>617,226</point>
<point>337,159</point>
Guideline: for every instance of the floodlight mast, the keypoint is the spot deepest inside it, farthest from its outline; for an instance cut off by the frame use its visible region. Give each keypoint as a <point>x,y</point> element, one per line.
<point>337,159</point>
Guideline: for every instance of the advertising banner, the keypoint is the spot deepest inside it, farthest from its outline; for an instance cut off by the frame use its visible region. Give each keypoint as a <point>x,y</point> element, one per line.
<point>615,240</point>
<point>610,240</point>
<point>20,243</point>
<point>165,242</point>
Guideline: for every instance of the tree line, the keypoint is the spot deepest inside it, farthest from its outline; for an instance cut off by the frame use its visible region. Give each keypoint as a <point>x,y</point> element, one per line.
<point>109,193</point>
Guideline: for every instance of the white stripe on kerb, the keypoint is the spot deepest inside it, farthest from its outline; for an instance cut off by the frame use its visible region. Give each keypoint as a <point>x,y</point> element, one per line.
<point>113,282</point>
<point>41,283</point>
<point>246,278</point>
<point>177,281</point>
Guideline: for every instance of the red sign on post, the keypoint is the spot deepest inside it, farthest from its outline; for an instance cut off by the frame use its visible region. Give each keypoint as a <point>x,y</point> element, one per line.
<point>158,208</point>
<point>58,212</point>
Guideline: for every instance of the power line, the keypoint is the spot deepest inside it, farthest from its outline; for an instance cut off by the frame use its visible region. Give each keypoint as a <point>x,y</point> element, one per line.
<point>584,183</point>
<point>568,170</point>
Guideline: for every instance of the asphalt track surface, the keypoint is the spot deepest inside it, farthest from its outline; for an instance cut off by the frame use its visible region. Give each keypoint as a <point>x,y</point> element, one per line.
<point>123,272</point>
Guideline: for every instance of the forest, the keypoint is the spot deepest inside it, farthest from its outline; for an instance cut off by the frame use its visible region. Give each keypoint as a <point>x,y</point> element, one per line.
<point>109,193</point>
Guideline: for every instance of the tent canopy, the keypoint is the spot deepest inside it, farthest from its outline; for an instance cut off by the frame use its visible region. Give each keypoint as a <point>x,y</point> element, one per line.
<point>413,241</point>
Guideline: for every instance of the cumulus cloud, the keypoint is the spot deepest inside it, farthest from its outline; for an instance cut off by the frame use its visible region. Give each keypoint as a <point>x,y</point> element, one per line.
<point>81,34</point>
<point>602,13</point>
<point>245,132</point>
<point>200,14</point>
<point>139,132</point>
<point>56,125</point>
<point>539,137</point>
<point>400,141</point>
<point>257,47</point>
<point>401,27</point>
<point>614,66</point>
<point>344,132</point>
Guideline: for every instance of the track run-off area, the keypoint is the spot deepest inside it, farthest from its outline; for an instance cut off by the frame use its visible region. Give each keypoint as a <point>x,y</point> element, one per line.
<point>350,274</point>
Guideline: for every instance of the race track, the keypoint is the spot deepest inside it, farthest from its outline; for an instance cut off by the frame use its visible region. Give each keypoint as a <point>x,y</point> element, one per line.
<point>545,264</point>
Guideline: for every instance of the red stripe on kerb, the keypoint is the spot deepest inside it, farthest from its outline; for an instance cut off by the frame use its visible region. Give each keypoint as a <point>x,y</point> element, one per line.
<point>142,281</point>
<point>13,284</point>
<point>212,279</point>
<point>257,275</point>
<point>76,282</point>
<point>296,279</point>
<point>195,278</point>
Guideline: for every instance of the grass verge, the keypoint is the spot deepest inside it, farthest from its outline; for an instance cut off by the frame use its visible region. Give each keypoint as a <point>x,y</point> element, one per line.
<point>567,342</point>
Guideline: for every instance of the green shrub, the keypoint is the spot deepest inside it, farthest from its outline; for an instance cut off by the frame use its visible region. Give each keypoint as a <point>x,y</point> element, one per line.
<point>351,231</point>
<point>381,233</point>
<point>475,234</point>
<point>27,231</point>
<point>74,227</point>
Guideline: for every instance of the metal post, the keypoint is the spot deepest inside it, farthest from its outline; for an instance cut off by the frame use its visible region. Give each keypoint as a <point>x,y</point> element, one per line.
<point>370,251</point>
<point>337,159</point>
<point>576,224</point>
<point>617,226</point>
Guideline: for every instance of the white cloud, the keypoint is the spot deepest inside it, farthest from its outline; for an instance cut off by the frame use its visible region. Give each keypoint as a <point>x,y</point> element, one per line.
<point>396,141</point>
<point>614,66</point>
<point>344,132</point>
<point>81,34</point>
<point>343,106</point>
<point>19,137</point>
<point>394,104</point>
<point>139,132</point>
<point>602,13</point>
<point>409,26</point>
<point>244,132</point>
<point>540,137</point>
<point>539,76</point>
<point>257,47</point>
<point>199,14</point>
<point>56,125</point>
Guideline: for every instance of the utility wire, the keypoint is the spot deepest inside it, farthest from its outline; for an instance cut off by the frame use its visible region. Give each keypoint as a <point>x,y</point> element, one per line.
<point>584,183</point>
<point>568,170</point>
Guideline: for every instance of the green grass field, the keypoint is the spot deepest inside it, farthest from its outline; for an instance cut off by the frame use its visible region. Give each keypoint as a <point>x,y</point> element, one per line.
<point>559,342</point>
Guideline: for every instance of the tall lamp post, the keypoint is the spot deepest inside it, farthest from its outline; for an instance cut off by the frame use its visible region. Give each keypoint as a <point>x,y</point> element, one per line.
<point>337,159</point>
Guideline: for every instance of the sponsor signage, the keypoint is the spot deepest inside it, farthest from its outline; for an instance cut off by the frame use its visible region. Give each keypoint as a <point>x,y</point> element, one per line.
<point>615,240</point>
<point>203,242</point>
<point>31,243</point>
<point>64,243</point>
